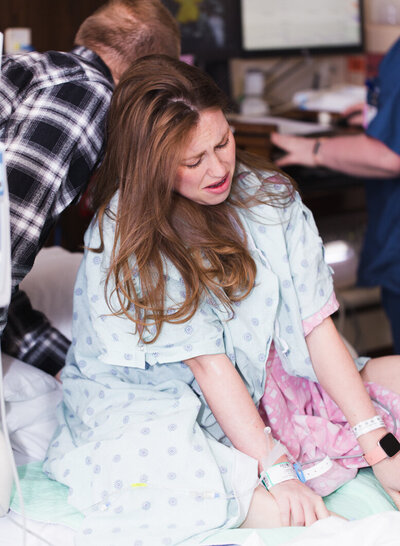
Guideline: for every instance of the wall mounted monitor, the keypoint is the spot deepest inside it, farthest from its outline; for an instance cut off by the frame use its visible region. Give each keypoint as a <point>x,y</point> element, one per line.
<point>276,27</point>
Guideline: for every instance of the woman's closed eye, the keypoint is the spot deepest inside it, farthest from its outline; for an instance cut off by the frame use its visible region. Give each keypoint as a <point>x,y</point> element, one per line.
<point>197,163</point>
<point>194,165</point>
<point>222,145</point>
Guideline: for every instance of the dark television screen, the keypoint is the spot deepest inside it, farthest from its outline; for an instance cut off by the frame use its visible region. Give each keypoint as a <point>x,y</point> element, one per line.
<point>210,29</point>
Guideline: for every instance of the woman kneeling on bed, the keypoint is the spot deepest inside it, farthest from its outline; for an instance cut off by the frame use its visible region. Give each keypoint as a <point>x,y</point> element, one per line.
<point>206,386</point>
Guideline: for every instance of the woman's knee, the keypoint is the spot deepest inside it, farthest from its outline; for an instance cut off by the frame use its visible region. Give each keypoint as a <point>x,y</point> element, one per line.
<point>384,370</point>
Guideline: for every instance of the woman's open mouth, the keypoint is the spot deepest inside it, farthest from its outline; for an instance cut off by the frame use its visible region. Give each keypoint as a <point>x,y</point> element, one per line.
<point>221,186</point>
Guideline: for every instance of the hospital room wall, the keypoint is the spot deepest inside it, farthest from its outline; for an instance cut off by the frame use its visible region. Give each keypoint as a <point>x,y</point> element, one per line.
<point>53,22</point>
<point>381,30</point>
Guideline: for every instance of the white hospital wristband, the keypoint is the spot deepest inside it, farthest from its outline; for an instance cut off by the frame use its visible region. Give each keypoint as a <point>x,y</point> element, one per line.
<point>278,473</point>
<point>368,425</point>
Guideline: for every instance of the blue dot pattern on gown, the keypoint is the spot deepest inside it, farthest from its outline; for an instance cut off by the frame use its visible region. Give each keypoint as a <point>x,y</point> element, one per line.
<point>137,444</point>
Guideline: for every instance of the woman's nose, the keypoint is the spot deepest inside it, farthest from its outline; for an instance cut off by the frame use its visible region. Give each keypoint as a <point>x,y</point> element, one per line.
<point>216,167</point>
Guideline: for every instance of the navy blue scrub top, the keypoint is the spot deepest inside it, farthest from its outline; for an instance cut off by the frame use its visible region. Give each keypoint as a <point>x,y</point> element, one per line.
<point>380,259</point>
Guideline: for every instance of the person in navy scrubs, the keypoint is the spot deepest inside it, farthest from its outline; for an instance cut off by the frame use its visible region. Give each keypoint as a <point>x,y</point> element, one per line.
<point>375,155</point>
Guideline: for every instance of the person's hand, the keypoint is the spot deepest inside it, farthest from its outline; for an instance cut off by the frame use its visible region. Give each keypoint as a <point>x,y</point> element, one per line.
<point>388,473</point>
<point>299,150</point>
<point>298,504</point>
<point>354,114</point>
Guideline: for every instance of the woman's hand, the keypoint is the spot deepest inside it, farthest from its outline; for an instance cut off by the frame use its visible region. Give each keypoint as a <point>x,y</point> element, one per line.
<point>388,473</point>
<point>298,504</point>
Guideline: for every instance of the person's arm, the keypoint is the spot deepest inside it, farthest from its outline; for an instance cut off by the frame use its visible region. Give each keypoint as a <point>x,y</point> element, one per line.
<point>238,417</point>
<point>30,337</point>
<point>50,153</point>
<point>231,404</point>
<point>338,375</point>
<point>357,155</point>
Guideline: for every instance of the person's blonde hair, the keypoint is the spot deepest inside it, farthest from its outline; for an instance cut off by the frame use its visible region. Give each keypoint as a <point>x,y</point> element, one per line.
<point>125,30</point>
<point>155,107</point>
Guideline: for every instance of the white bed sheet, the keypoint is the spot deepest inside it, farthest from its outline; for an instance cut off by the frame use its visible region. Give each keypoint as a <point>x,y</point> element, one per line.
<point>12,534</point>
<point>31,398</point>
<point>32,395</point>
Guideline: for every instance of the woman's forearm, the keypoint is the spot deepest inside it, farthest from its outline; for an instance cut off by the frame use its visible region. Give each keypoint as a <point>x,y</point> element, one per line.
<point>231,404</point>
<point>226,394</point>
<point>359,155</point>
<point>338,375</point>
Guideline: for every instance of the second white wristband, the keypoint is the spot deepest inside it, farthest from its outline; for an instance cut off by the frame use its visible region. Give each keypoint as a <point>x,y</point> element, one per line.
<point>368,425</point>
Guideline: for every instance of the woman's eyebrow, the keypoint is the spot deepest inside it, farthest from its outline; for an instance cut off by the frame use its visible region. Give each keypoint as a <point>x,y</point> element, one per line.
<point>228,130</point>
<point>225,136</point>
<point>197,156</point>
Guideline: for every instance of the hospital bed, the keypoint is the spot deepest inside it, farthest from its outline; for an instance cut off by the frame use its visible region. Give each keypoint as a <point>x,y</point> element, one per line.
<point>31,400</point>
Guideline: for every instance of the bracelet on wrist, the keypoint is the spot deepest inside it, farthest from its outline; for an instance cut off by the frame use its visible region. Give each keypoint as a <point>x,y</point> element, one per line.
<point>281,472</point>
<point>315,150</point>
<point>277,473</point>
<point>274,473</point>
<point>368,426</point>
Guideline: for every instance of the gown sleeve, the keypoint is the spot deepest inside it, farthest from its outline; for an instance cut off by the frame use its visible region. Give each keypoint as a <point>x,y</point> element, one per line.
<point>200,335</point>
<point>116,336</point>
<point>311,275</point>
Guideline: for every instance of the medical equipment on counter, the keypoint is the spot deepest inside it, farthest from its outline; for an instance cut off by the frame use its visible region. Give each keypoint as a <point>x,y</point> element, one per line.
<point>253,102</point>
<point>334,100</point>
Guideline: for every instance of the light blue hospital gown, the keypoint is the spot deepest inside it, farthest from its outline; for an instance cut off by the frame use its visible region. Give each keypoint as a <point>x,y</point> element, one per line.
<point>133,413</point>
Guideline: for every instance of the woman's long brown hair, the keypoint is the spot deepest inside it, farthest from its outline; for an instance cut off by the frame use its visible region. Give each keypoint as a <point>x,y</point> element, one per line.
<point>155,107</point>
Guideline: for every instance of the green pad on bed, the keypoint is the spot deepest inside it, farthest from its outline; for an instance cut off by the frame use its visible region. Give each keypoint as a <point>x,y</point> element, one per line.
<point>46,500</point>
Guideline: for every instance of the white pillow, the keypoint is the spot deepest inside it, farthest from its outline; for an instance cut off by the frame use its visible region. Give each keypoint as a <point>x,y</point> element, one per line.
<point>50,285</point>
<point>24,382</point>
<point>32,395</point>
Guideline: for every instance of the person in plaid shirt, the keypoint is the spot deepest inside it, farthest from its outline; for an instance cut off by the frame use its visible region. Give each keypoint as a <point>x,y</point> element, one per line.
<point>53,109</point>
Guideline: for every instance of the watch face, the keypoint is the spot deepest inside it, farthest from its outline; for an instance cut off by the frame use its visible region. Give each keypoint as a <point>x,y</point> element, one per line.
<point>389,444</point>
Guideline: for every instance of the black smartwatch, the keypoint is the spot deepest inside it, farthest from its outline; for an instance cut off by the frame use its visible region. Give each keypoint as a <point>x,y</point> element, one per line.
<point>387,446</point>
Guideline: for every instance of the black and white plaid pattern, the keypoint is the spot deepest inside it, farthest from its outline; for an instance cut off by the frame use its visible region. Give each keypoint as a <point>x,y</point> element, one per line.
<point>53,108</point>
<point>30,336</point>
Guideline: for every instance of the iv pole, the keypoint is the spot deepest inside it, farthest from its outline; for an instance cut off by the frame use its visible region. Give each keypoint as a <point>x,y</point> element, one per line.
<point>6,469</point>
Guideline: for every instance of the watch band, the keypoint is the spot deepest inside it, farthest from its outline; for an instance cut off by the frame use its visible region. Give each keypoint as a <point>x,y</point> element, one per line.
<point>388,446</point>
<point>375,455</point>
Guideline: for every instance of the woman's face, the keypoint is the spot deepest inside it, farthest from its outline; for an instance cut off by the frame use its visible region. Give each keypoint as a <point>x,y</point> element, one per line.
<point>208,161</point>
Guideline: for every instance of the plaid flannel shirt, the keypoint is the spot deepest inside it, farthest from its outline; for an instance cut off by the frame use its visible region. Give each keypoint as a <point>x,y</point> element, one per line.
<point>53,108</point>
